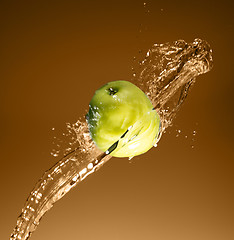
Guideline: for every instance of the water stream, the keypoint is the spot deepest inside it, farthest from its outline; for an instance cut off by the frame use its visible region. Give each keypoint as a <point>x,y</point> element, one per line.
<point>165,75</point>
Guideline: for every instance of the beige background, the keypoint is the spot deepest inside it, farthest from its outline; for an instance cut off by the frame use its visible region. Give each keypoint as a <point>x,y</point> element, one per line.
<point>54,55</point>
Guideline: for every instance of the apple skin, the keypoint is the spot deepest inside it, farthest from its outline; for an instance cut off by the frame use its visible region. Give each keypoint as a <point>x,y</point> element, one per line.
<point>120,111</point>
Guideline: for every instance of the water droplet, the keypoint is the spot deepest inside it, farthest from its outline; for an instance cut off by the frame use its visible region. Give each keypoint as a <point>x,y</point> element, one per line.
<point>54,154</point>
<point>75,178</point>
<point>83,171</point>
<point>90,166</point>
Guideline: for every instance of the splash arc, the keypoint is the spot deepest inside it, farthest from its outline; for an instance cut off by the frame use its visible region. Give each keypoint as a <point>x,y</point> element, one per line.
<point>166,76</point>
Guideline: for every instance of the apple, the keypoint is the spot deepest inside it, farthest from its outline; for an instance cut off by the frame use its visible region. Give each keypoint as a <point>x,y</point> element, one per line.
<point>121,120</point>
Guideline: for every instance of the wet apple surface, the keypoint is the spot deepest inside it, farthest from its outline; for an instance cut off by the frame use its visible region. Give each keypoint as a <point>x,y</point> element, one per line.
<point>121,120</point>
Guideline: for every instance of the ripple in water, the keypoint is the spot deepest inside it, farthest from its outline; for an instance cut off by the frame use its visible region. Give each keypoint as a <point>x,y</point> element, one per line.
<point>166,75</point>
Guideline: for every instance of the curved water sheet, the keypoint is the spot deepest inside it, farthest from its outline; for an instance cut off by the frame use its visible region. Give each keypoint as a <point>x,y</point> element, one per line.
<point>169,70</point>
<point>165,75</point>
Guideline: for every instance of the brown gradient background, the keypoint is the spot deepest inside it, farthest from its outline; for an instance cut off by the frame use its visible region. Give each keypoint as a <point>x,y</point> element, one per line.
<point>54,55</point>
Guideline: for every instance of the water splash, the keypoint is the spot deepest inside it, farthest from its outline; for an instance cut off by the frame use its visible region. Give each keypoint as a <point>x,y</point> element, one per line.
<point>165,75</point>
<point>168,72</point>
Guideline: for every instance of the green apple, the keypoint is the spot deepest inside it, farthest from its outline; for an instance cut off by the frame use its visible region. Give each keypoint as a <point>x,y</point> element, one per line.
<point>121,120</point>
